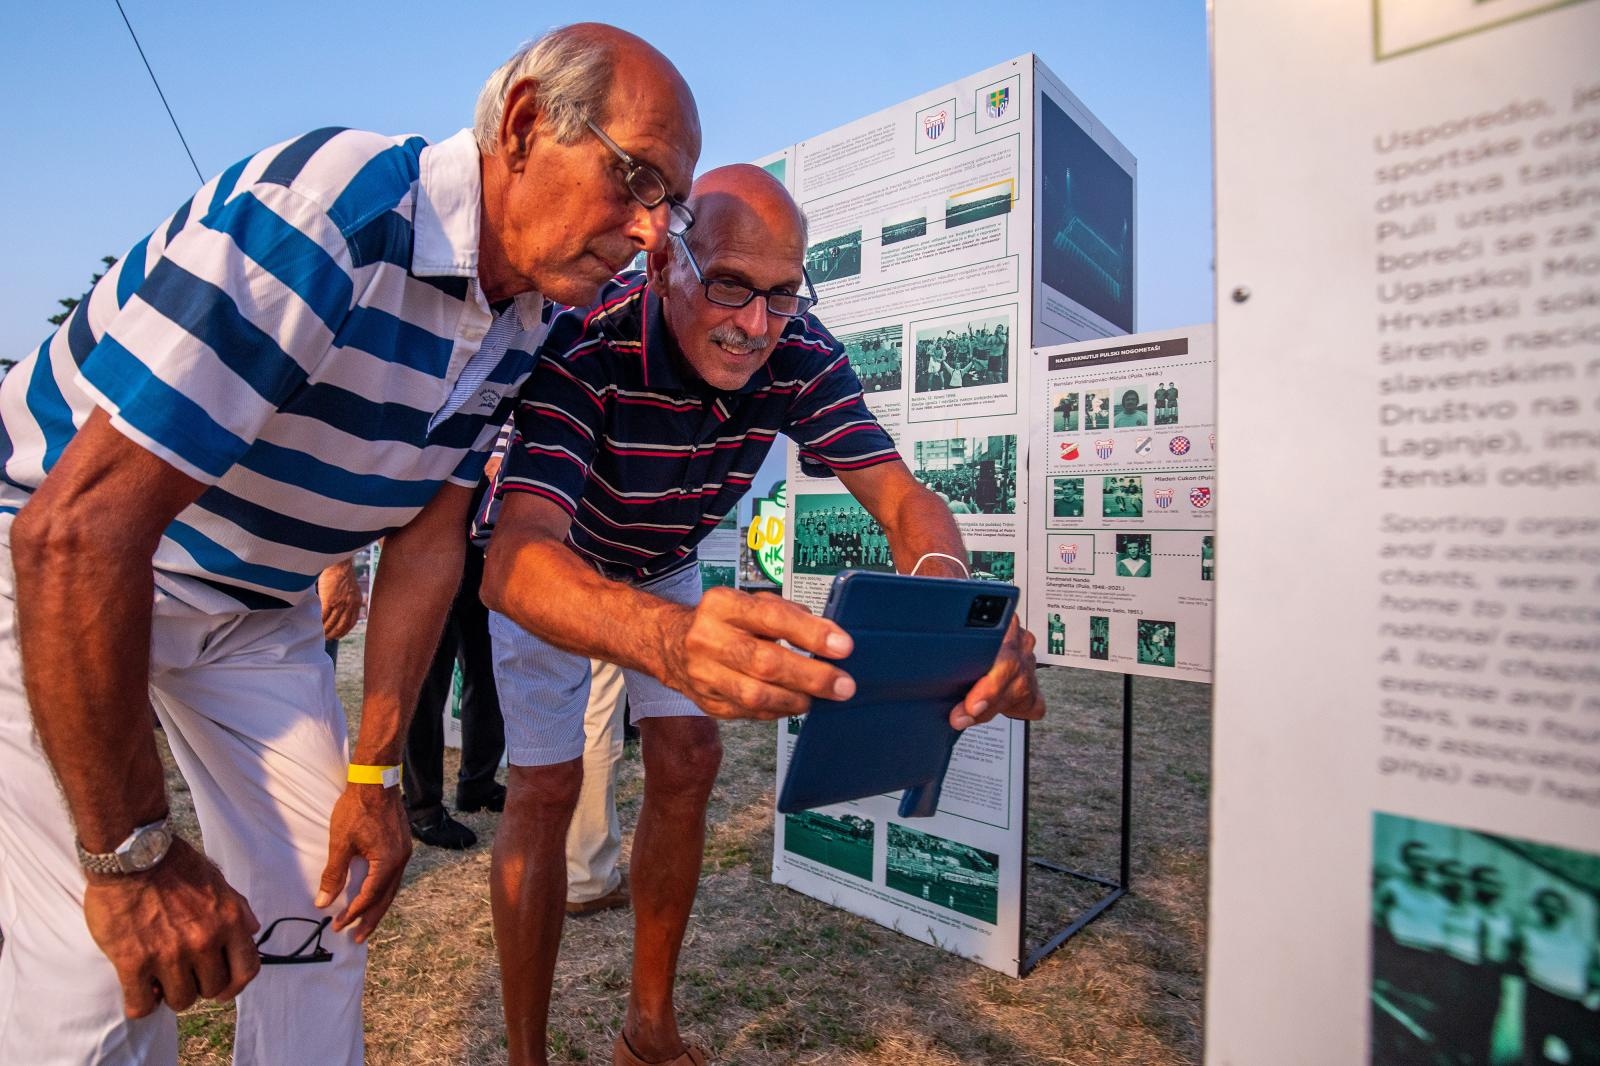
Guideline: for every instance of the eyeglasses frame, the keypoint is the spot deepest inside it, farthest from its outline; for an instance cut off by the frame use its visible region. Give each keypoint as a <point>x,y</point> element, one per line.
<point>751,293</point>
<point>635,167</point>
<point>318,953</point>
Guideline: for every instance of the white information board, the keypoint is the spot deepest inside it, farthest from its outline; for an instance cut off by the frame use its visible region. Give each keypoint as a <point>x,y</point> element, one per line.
<point>1122,470</point>
<point>1406,798</point>
<point>925,230</point>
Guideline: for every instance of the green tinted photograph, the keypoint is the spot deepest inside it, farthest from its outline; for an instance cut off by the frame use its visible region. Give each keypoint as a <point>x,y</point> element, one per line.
<point>1099,636</point>
<point>833,532</point>
<point>834,259</point>
<point>1066,497</point>
<point>1485,948</point>
<point>1064,413</point>
<point>1096,410</point>
<point>905,229</point>
<point>944,873</point>
<point>1166,403</point>
<point>1133,554</point>
<point>973,475</point>
<point>875,357</point>
<point>1056,628</point>
<point>1208,558</point>
<point>717,576</point>
<point>1131,410</point>
<point>994,566</point>
<point>974,205</point>
<point>844,843</point>
<point>963,354</point>
<point>1157,642</point>
<point>1122,496</point>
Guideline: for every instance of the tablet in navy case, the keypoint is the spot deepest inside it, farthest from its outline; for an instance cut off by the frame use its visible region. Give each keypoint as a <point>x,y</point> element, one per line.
<point>920,645</point>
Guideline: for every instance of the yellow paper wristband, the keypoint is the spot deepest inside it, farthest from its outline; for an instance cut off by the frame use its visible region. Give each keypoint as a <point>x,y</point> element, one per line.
<point>387,776</point>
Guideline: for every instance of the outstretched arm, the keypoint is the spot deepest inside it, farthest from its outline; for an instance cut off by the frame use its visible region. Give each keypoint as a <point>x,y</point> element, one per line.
<point>417,577</point>
<point>723,654</point>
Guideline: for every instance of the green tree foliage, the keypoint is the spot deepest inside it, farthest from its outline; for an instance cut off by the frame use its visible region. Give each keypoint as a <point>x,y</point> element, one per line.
<point>70,302</point>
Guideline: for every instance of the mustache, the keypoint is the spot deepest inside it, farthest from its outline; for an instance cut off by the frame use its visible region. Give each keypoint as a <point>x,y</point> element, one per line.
<point>730,336</point>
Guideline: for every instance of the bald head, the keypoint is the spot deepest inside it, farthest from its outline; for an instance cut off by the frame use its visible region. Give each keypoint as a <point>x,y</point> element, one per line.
<point>749,239</point>
<point>744,199</point>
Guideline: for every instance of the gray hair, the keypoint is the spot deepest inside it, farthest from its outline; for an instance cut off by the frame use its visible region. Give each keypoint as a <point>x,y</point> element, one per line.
<point>573,71</point>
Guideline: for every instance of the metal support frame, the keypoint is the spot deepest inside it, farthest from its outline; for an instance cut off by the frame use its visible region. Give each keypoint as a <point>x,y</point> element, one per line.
<point>1117,888</point>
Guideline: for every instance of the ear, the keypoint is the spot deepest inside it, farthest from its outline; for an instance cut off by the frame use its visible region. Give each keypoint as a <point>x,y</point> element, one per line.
<point>519,124</point>
<point>655,266</point>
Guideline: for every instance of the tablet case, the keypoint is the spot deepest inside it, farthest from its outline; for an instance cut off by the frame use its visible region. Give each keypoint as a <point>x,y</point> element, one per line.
<point>915,657</point>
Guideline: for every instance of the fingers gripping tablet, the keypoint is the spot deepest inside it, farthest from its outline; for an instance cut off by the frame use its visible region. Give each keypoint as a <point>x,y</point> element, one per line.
<point>920,645</point>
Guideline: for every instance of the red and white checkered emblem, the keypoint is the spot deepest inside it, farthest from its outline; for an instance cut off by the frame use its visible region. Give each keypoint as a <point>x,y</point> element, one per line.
<point>1178,445</point>
<point>1200,497</point>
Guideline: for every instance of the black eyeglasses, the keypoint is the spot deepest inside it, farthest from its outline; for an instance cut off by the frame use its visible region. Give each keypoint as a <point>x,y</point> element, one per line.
<point>725,292</point>
<point>301,954</point>
<point>646,185</point>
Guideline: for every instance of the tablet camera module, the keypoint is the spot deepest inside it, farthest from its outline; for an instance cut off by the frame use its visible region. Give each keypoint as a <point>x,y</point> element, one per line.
<point>986,611</point>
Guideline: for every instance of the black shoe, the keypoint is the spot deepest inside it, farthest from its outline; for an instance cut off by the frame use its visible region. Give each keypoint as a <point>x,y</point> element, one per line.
<point>492,796</point>
<point>443,831</point>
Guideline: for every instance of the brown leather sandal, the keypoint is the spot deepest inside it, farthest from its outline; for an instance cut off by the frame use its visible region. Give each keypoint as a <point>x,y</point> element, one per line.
<point>622,1054</point>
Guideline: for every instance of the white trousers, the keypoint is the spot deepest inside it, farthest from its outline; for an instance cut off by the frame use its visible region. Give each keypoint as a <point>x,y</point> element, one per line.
<point>248,706</point>
<point>594,839</point>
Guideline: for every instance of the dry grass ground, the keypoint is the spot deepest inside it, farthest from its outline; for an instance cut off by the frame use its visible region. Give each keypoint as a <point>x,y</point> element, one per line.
<point>770,976</point>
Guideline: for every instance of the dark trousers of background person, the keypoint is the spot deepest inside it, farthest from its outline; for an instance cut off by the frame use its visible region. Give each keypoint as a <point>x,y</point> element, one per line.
<point>483,735</point>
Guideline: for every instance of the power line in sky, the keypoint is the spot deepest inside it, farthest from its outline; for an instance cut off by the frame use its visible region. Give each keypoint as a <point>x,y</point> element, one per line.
<point>159,93</point>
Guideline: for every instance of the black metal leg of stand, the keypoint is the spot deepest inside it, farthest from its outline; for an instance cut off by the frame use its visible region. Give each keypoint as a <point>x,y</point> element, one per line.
<point>1127,777</point>
<point>1119,887</point>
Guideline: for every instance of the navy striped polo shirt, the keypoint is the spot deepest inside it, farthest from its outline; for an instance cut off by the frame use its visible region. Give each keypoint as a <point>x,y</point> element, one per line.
<point>306,337</point>
<point>620,433</point>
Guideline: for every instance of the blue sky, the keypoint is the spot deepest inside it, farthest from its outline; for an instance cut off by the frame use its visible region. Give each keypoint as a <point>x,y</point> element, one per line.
<point>95,163</point>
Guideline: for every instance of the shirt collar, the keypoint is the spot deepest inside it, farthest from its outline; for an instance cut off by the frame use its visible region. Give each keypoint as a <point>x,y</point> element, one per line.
<point>445,231</point>
<point>666,368</point>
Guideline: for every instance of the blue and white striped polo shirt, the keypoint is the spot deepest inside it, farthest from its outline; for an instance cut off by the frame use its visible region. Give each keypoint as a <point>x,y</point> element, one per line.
<point>620,433</point>
<point>293,337</point>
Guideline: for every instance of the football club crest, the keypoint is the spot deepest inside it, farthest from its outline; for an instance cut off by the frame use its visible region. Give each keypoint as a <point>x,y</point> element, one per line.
<point>1163,498</point>
<point>1200,497</point>
<point>996,102</point>
<point>1142,445</point>
<point>1104,448</point>
<point>1178,445</point>
<point>1069,450</point>
<point>1067,551</point>
<point>933,125</point>
<point>766,533</point>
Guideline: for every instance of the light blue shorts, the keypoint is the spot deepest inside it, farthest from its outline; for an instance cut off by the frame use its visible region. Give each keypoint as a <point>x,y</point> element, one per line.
<point>544,690</point>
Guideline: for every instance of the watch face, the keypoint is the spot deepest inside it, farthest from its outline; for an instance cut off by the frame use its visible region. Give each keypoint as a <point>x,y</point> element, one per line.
<point>147,849</point>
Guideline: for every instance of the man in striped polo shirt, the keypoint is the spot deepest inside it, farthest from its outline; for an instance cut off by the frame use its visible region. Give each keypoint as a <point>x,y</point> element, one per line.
<point>314,351</point>
<point>647,417</point>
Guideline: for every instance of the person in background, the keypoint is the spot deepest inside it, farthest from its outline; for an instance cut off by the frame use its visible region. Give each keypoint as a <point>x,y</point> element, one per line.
<point>340,595</point>
<point>464,642</point>
<point>595,881</point>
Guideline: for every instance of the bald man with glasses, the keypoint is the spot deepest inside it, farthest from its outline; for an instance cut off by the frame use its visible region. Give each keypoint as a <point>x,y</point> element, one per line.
<point>648,415</point>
